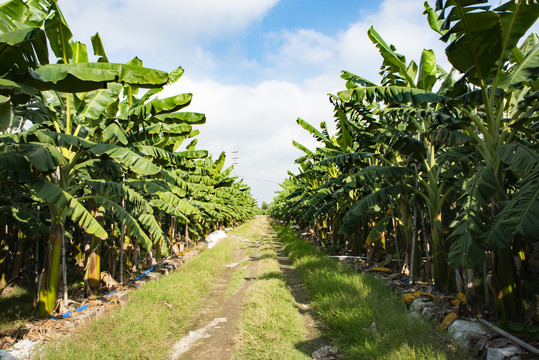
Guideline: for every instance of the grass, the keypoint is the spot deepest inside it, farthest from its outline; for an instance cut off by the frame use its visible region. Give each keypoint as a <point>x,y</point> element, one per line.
<point>271,326</point>
<point>346,303</point>
<point>17,306</point>
<point>146,327</point>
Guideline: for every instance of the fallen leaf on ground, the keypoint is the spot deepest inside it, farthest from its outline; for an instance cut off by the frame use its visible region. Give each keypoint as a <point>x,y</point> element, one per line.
<point>448,320</point>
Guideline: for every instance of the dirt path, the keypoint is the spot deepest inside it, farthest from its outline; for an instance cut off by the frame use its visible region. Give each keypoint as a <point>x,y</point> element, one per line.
<point>213,334</point>
<point>314,339</point>
<point>216,328</point>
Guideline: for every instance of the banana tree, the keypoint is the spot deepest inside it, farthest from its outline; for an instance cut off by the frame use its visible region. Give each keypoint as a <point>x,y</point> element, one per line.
<point>410,106</point>
<point>497,105</point>
<point>48,154</point>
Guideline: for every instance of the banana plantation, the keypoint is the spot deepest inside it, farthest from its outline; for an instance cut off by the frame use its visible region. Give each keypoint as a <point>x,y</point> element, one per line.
<point>97,172</point>
<point>436,167</point>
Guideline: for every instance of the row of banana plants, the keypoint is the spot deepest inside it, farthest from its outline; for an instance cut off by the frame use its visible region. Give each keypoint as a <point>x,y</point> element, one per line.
<point>95,167</point>
<point>434,164</point>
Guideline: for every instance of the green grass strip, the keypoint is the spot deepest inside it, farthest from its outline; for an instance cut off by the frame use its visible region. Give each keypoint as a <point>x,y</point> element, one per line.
<point>270,326</point>
<point>346,303</point>
<point>146,328</point>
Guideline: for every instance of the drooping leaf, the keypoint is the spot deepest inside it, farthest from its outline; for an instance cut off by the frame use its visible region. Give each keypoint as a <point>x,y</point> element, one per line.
<point>161,106</point>
<point>389,55</point>
<point>70,206</point>
<point>378,228</point>
<point>179,118</point>
<point>365,204</point>
<point>353,80</point>
<point>526,71</point>
<point>466,250</point>
<point>133,227</point>
<point>111,189</point>
<point>519,216</point>
<point>162,192</point>
<point>116,133</point>
<point>521,157</point>
<point>127,158</point>
<point>43,157</point>
<point>22,48</point>
<point>392,94</point>
<point>193,154</point>
<point>91,76</point>
<point>59,34</point>
<point>373,173</point>
<point>97,101</point>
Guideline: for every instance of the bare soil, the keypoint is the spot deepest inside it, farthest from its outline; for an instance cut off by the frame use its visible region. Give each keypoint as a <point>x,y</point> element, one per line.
<point>217,342</point>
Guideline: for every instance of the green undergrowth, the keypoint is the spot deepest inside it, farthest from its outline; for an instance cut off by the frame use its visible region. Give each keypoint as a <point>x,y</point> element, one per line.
<point>17,307</point>
<point>156,315</point>
<point>271,326</point>
<point>347,303</point>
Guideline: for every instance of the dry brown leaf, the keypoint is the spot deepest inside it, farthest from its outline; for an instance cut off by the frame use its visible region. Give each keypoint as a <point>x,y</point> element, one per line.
<point>448,320</point>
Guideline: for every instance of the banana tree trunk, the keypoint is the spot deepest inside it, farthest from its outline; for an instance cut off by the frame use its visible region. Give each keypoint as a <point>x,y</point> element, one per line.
<point>336,236</point>
<point>439,255</point>
<point>121,262</point>
<point>158,254</point>
<point>93,270</point>
<point>172,237</point>
<point>122,240</point>
<point>405,223</point>
<point>17,256</point>
<point>413,255</point>
<point>64,273</point>
<point>187,236</point>
<point>51,277</point>
<point>396,238</point>
<point>507,298</point>
<point>4,255</point>
<point>92,275</point>
<point>426,242</point>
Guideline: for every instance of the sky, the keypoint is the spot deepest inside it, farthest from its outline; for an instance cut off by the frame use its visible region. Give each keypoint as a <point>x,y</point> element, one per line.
<point>255,66</point>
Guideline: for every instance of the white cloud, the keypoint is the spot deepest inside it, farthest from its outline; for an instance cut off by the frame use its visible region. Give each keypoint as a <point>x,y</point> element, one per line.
<point>257,121</point>
<point>305,47</point>
<point>160,28</point>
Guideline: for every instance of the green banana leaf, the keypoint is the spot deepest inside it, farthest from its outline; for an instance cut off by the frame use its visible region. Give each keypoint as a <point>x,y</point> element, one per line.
<point>133,227</point>
<point>84,77</point>
<point>127,158</point>
<point>519,216</point>
<point>70,206</point>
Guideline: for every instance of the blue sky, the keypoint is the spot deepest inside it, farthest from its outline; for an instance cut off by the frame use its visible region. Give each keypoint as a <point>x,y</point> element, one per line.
<point>255,66</point>
<point>259,41</point>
